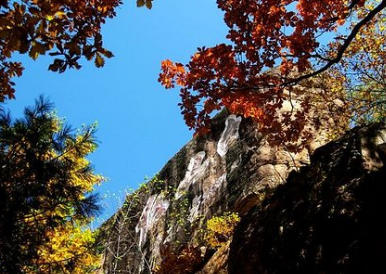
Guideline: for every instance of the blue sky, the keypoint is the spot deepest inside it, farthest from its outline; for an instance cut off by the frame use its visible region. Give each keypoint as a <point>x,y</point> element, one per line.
<point>140,125</point>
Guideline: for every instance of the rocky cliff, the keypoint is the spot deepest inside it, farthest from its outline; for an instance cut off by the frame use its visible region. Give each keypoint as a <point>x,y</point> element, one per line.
<point>182,220</point>
<point>327,218</point>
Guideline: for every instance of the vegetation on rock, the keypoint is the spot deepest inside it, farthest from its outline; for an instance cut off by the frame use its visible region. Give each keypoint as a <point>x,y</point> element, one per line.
<point>46,182</point>
<point>219,230</point>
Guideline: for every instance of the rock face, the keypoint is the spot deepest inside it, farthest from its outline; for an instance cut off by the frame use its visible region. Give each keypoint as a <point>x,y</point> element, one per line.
<point>327,218</point>
<point>226,171</point>
<point>162,227</point>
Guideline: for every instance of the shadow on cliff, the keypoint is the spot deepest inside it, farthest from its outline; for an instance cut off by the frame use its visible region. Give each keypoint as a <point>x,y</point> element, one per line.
<point>327,218</point>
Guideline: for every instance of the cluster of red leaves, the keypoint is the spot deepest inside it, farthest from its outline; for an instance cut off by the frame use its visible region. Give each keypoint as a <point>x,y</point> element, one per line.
<point>173,72</point>
<point>66,29</point>
<point>264,34</point>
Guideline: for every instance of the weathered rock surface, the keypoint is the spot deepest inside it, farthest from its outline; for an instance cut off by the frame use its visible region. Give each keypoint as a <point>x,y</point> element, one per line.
<point>226,171</point>
<point>161,227</point>
<point>327,218</point>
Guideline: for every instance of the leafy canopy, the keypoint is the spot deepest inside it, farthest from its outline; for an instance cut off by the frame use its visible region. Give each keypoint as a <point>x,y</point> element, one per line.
<point>64,29</point>
<point>46,196</point>
<point>286,35</point>
<point>362,71</point>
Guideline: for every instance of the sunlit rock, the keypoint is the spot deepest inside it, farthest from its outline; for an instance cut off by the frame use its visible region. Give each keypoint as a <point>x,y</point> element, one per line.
<point>230,133</point>
<point>232,169</point>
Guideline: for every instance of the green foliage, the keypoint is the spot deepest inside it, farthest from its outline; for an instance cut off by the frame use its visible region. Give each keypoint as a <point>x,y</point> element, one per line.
<point>45,191</point>
<point>369,103</point>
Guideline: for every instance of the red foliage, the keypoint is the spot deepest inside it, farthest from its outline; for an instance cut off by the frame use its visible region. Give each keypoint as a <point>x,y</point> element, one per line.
<point>263,34</point>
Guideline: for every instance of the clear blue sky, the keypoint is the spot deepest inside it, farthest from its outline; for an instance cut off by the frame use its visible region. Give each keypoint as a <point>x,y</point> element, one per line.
<point>140,125</point>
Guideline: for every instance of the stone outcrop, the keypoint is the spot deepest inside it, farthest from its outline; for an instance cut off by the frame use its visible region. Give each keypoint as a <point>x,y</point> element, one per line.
<point>161,228</point>
<point>226,171</point>
<point>327,218</point>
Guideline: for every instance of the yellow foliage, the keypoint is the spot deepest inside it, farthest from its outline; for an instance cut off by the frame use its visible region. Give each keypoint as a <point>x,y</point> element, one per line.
<point>53,203</point>
<point>220,229</point>
<point>67,251</point>
<point>364,68</point>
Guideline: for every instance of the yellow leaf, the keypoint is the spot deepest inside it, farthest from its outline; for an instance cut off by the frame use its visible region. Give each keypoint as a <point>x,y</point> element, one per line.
<point>99,61</point>
<point>60,14</point>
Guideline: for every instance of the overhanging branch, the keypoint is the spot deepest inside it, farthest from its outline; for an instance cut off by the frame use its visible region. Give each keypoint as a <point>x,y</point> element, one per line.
<point>343,48</point>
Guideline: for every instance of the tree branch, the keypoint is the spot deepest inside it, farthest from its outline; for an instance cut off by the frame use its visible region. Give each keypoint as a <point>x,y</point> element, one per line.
<point>343,48</point>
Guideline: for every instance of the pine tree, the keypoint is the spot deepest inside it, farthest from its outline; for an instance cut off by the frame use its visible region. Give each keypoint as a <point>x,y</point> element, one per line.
<point>46,186</point>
